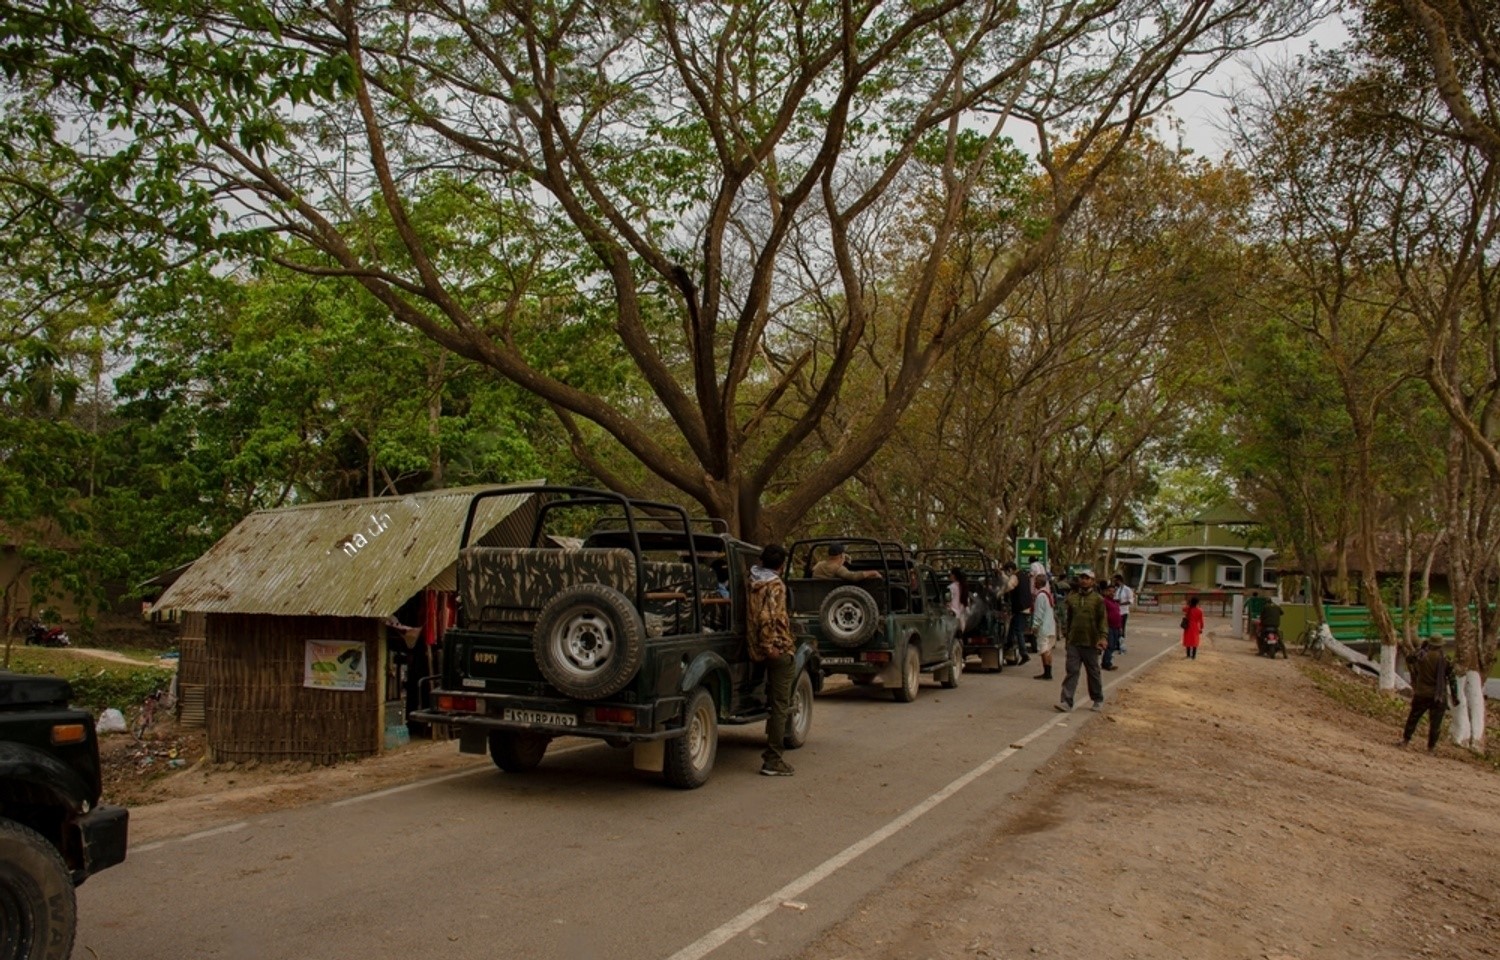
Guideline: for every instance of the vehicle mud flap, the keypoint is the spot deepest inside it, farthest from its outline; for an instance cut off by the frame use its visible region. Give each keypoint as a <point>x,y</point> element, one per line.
<point>473,740</point>
<point>649,755</point>
<point>890,675</point>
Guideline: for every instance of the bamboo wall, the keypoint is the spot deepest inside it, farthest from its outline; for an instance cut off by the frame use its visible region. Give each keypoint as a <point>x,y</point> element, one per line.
<point>192,671</point>
<point>257,707</point>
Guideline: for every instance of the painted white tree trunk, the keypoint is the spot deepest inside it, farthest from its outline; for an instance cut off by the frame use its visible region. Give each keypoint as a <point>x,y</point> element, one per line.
<point>1388,667</point>
<point>1469,715</point>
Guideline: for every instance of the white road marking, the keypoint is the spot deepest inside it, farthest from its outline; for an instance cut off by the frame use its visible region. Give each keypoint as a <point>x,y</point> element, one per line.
<point>200,835</point>
<point>721,935</point>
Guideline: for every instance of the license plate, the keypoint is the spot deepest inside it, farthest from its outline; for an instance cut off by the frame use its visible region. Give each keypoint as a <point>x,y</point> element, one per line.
<point>838,659</point>
<point>541,716</point>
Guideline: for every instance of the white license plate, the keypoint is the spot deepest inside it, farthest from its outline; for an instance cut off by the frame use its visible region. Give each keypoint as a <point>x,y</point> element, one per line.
<point>541,716</point>
<point>838,659</point>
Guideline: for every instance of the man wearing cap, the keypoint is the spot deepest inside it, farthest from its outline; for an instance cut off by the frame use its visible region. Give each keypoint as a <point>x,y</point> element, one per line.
<point>1087,633</point>
<point>835,567</point>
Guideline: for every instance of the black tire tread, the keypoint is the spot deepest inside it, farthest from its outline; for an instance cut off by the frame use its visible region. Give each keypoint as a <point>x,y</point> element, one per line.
<point>849,593</point>
<point>630,640</point>
<point>34,871</point>
<point>518,751</point>
<point>678,768</point>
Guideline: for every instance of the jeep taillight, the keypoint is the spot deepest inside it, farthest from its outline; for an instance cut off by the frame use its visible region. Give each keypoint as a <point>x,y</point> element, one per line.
<point>613,714</point>
<point>452,704</point>
<point>876,656</point>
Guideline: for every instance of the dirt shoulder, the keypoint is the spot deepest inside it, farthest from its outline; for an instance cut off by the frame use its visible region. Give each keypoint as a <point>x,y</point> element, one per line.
<point>1228,807</point>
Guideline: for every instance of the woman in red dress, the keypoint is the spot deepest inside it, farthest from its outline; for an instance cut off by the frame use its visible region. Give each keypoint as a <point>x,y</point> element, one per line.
<point>1192,627</point>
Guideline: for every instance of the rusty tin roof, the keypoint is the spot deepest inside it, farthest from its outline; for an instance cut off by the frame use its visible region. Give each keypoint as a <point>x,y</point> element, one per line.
<point>343,558</point>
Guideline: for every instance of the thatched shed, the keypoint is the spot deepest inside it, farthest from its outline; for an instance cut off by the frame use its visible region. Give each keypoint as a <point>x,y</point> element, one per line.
<point>295,656</point>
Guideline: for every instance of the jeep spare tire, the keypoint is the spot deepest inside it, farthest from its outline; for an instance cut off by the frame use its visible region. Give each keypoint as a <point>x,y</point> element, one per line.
<point>589,641</point>
<point>848,616</point>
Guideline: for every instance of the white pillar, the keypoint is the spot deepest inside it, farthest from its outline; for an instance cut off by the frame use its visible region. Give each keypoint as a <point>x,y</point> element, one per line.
<point>1237,616</point>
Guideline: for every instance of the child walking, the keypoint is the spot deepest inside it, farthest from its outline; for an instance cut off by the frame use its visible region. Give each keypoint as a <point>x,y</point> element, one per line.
<point>1192,627</point>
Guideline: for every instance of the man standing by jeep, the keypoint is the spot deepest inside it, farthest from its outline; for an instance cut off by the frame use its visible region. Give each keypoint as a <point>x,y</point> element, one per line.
<point>772,643</point>
<point>1087,635</point>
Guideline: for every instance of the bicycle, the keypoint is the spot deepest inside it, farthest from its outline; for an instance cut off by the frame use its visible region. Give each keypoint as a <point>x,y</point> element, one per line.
<point>1311,642</point>
<point>160,698</point>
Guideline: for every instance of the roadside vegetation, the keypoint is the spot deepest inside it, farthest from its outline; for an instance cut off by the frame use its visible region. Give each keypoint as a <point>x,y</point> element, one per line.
<point>939,272</point>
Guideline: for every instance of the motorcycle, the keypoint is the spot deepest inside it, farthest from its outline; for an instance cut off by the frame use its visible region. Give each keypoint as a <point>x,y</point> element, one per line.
<point>1269,643</point>
<point>38,634</point>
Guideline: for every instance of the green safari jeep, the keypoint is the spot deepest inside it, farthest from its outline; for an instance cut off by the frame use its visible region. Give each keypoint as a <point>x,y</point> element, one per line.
<point>634,635</point>
<point>886,629</point>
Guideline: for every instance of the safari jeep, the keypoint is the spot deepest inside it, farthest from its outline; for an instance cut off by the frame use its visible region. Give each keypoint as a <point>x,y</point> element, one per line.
<point>625,638</point>
<point>885,630</point>
<point>984,635</point>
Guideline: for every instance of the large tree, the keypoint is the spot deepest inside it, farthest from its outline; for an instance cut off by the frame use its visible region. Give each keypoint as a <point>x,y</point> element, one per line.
<point>717,185</point>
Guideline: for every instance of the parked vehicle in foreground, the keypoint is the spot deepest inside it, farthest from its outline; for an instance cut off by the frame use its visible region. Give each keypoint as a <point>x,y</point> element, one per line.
<point>983,635</point>
<point>54,833</point>
<point>627,638</point>
<point>886,630</point>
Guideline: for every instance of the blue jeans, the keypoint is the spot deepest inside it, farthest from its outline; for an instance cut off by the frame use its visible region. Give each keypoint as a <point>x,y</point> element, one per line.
<point>1111,648</point>
<point>1015,638</point>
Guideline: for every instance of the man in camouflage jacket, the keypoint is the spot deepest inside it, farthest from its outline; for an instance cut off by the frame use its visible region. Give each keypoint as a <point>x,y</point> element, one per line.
<point>772,643</point>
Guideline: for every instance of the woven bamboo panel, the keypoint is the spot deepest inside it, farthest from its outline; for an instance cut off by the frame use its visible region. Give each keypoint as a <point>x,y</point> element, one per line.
<point>257,707</point>
<point>190,704</point>
<point>192,666</point>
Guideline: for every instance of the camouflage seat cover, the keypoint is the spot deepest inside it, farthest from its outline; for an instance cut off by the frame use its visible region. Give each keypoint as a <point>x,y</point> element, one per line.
<point>511,585</point>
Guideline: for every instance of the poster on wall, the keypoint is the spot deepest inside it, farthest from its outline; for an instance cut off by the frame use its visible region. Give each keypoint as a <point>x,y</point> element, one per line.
<point>334,665</point>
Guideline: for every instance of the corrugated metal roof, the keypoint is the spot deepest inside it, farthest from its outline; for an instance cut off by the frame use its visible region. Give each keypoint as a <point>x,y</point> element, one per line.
<point>343,558</point>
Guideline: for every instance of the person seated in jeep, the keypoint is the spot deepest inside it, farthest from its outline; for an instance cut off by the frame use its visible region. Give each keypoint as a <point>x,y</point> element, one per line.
<point>835,567</point>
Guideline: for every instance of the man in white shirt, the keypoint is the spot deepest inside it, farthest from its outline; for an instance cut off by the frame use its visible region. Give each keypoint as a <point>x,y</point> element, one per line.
<point>1125,597</point>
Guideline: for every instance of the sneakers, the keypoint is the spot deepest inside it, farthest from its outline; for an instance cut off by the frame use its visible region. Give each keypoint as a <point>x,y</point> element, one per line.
<point>1062,707</point>
<point>1098,706</point>
<point>776,768</point>
<point>1110,667</point>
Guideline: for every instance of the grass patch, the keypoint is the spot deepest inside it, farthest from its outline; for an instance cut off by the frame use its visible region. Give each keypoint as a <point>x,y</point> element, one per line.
<point>1355,693</point>
<point>1360,695</point>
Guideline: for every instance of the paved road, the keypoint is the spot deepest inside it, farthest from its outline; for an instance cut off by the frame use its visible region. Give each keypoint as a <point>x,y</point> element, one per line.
<point>586,858</point>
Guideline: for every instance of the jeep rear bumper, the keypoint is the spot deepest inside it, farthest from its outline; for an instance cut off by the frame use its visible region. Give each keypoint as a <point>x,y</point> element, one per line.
<point>548,717</point>
<point>101,837</point>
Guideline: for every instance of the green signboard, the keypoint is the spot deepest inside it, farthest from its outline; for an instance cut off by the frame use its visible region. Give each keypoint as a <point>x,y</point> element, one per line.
<point>1029,549</point>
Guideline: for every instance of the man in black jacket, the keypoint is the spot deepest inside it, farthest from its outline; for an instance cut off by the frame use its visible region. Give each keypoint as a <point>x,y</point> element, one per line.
<point>1429,692</point>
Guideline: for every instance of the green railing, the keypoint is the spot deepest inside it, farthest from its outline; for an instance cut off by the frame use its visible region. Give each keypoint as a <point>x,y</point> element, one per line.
<point>1354,623</point>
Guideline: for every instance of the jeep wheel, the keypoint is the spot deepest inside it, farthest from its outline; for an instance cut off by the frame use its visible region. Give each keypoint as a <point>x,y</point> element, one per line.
<point>911,675</point>
<point>518,751</point>
<point>589,641</point>
<point>848,616</point>
<point>38,909</point>
<point>799,721</point>
<point>955,664</point>
<point>690,757</point>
